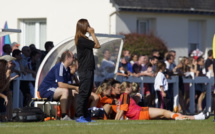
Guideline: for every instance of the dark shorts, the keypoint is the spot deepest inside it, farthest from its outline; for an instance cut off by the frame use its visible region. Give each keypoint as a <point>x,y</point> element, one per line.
<point>48,93</point>
<point>200,87</point>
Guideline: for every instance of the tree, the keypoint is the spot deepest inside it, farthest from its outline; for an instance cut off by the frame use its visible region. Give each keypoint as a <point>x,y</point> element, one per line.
<point>143,44</point>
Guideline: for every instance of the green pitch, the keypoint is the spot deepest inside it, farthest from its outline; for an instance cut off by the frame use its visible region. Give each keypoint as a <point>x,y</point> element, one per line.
<point>111,127</point>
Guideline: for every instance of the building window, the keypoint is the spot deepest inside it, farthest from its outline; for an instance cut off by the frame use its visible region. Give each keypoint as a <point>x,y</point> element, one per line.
<point>33,32</point>
<point>145,26</point>
<point>196,37</point>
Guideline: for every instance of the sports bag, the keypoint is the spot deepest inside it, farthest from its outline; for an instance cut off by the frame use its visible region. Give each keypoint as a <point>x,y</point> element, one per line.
<point>96,113</point>
<point>28,114</point>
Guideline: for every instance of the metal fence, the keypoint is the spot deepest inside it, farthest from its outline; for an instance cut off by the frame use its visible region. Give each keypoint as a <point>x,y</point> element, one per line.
<point>174,80</point>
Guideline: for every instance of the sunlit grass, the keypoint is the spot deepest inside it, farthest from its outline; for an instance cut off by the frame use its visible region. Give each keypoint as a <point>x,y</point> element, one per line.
<point>111,127</point>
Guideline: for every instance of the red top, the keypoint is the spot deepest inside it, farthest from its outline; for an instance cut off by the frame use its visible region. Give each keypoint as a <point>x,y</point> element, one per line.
<point>129,106</point>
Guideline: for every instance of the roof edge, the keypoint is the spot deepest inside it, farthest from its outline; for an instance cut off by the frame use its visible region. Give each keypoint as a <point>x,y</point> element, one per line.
<point>167,10</point>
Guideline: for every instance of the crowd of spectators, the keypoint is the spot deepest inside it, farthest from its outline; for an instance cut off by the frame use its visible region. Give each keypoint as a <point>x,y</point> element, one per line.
<point>23,63</point>
<point>189,67</point>
<point>28,59</point>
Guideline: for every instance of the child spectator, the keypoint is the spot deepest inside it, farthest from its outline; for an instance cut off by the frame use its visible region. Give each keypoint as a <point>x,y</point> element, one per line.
<point>161,84</point>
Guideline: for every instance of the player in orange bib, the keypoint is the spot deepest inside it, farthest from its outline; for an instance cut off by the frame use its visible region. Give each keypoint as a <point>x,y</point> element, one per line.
<point>132,111</point>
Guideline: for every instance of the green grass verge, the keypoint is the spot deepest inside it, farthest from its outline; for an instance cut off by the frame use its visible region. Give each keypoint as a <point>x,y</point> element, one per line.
<point>111,127</point>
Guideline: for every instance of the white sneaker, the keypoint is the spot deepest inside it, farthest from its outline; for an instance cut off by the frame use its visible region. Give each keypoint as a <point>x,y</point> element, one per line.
<point>66,118</point>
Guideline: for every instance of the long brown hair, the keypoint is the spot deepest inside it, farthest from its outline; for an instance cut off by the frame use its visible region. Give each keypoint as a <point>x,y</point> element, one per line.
<point>135,87</point>
<point>81,29</point>
<point>102,88</point>
<point>124,85</point>
<point>160,66</point>
<point>185,67</point>
<point>3,77</point>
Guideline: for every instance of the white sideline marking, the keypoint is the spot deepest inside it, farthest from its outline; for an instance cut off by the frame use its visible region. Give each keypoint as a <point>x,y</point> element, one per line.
<point>89,124</point>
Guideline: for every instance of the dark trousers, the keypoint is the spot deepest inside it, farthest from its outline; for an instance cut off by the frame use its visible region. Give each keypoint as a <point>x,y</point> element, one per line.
<point>85,88</point>
<point>24,87</point>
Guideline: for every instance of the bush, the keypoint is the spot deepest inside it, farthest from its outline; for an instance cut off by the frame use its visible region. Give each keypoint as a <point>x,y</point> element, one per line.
<point>143,44</point>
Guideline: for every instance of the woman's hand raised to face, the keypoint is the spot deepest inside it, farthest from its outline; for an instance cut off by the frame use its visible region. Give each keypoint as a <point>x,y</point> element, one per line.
<point>90,30</point>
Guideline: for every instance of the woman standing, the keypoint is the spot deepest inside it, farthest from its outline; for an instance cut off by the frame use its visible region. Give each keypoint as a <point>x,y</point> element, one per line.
<point>86,66</point>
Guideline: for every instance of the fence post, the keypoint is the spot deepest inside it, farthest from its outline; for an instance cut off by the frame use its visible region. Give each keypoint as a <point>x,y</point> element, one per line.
<point>16,92</point>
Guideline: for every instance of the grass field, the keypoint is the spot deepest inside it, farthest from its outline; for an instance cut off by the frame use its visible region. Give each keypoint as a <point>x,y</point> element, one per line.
<point>111,127</point>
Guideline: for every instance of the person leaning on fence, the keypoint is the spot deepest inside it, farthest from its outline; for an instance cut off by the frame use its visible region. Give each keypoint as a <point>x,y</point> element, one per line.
<point>56,84</point>
<point>200,87</point>
<point>183,70</point>
<point>132,111</point>
<point>209,64</point>
<point>5,92</point>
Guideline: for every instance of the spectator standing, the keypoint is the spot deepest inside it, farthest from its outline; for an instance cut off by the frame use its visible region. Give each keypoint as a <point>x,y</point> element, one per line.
<point>32,47</point>
<point>125,67</point>
<point>24,87</point>
<point>7,50</point>
<point>15,46</point>
<point>31,69</point>
<point>156,53</point>
<point>5,92</point>
<point>200,88</point>
<point>209,64</point>
<point>134,59</point>
<point>17,54</point>
<point>107,66</point>
<point>48,46</point>
<point>161,85</point>
<point>153,61</point>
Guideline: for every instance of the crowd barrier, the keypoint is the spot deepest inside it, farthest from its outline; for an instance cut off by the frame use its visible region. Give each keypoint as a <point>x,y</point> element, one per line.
<point>144,79</point>
<point>175,81</point>
<point>17,95</point>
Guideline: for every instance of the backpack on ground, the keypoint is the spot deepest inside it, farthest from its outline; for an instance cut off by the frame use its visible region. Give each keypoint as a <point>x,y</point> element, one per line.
<point>28,114</point>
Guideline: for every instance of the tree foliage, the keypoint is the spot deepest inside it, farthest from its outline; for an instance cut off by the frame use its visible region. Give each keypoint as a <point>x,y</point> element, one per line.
<point>143,44</point>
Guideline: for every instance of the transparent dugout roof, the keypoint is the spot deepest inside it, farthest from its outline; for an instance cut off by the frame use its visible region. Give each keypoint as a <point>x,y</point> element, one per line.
<point>111,43</point>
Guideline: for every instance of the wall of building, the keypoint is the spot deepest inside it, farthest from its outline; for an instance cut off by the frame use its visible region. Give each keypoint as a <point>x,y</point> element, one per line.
<point>173,29</point>
<point>61,15</point>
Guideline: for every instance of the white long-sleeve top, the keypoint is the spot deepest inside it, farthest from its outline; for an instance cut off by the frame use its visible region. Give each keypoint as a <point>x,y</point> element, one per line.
<point>160,80</point>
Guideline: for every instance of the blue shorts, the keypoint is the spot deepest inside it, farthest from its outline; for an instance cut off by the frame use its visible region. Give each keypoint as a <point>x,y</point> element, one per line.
<point>47,93</point>
<point>200,87</point>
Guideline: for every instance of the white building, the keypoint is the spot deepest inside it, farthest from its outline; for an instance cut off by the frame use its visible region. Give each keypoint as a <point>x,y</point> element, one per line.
<point>53,20</point>
<point>182,25</point>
